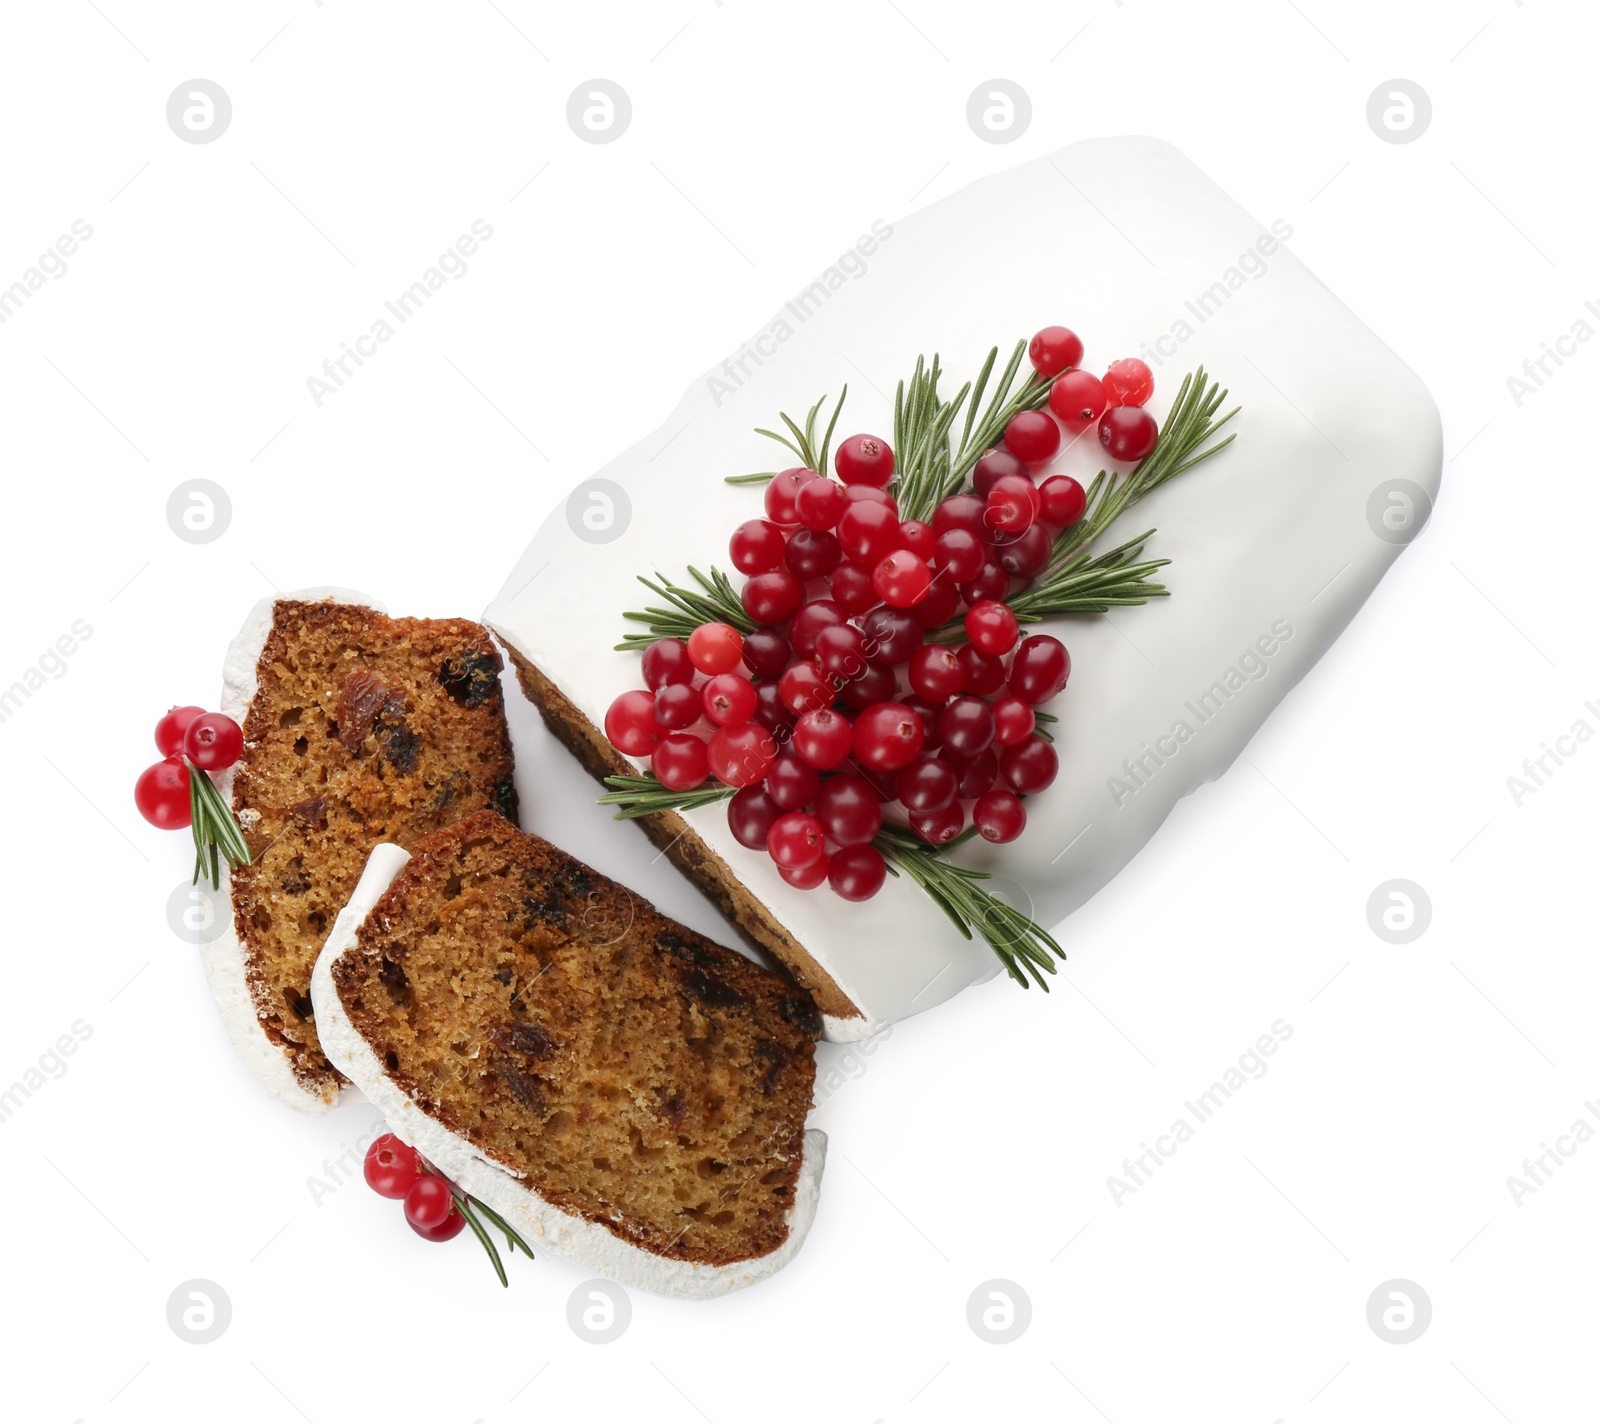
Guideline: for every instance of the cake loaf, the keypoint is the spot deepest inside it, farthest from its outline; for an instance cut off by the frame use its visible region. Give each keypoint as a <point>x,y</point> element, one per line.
<point>358,728</point>
<point>1274,544</point>
<point>623,1091</point>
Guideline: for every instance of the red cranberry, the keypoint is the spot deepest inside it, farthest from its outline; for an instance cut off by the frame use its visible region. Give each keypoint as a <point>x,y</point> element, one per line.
<point>1128,382</point>
<point>1054,350</point>
<point>872,495</point>
<point>875,685</point>
<point>782,492</point>
<point>751,813</point>
<point>680,762</point>
<point>842,651</point>
<point>966,726</point>
<point>892,634</point>
<point>936,673</point>
<point>1013,720</point>
<point>819,503</point>
<point>805,877</point>
<point>938,604</point>
<point>1128,432</point>
<point>901,579</point>
<point>795,839</point>
<point>666,661</point>
<point>792,781</point>
<point>992,627</point>
<point>960,511</point>
<point>1029,767</point>
<point>888,736</point>
<point>805,687</point>
<point>856,873</point>
<point>928,784</point>
<point>771,713</point>
<point>1027,555</point>
<point>992,581</point>
<point>756,546</point>
<point>868,533</point>
<point>678,705</point>
<point>773,598</point>
<point>999,817</point>
<point>823,739</point>
<point>811,620</point>
<point>993,465</point>
<point>1040,669</point>
<point>1033,436</point>
<point>811,554</point>
<point>631,724</point>
<point>1078,399</point>
<point>849,810</point>
<point>728,699</point>
<point>942,826</point>
<point>958,555</point>
<point>1013,504</point>
<point>977,775</point>
<point>853,590</point>
<point>766,653</point>
<point>864,460</point>
<point>391,1167</point>
<point>1062,501</point>
<point>918,537</point>
<point>984,673</point>
<point>929,713</point>
<point>740,755</point>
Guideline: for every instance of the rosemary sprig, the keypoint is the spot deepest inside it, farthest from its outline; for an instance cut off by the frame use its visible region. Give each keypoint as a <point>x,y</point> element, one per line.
<point>1019,943</point>
<point>715,602</point>
<point>803,442</point>
<point>1024,947</point>
<point>216,833</point>
<point>637,796</point>
<point>1181,446</point>
<point>465,1204</point>
<point>926,470</point>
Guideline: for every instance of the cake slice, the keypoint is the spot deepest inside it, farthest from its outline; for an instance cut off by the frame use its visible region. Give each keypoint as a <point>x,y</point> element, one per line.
<point>617,1087</point>
<point>358,728</point>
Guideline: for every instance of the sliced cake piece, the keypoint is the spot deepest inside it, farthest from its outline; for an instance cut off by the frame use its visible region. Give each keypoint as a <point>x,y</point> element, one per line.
<point>620,1089</point>
<point>358,728</point>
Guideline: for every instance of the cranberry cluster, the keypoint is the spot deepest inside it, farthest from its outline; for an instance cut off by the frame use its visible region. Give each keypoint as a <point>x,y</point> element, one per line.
<point>393,1169</point>
<point>838,705</point>
<point>185,737</point>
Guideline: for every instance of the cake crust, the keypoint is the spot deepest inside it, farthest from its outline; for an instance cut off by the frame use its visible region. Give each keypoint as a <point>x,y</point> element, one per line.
<point>684,847</point>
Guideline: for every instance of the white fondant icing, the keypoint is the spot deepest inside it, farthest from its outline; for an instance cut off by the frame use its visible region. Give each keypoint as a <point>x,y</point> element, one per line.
<point>1140,253</point>
<point>584,1243</point>
<point>224,957</point>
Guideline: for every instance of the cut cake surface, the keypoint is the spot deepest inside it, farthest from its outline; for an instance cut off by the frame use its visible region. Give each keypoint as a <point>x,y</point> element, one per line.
<point>627,1092</point>
<point>358,728</point>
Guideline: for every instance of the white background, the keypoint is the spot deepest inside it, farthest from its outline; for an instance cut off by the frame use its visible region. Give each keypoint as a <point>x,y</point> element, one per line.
<point>978,1140</point>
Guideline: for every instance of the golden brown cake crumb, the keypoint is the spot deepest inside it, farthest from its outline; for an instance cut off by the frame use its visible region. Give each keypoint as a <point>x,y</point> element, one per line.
<point>363,729</point>
<point>629,1071</point>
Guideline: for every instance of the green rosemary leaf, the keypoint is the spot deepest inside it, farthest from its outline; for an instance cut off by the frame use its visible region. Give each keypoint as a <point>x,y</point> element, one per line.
<point>827,436</point>
<point>757,479</point>
<point>514,1242</point>
<point>714,601</point>
<point>1026,949</point>
<point>636,796</point>
<point>216,834</point>
<point>464,1206</point>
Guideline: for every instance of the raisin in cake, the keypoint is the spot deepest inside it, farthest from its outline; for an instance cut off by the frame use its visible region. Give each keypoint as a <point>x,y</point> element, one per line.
<point>620,1089</point>
<point>1274,545</point>
<point>358,728</point>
